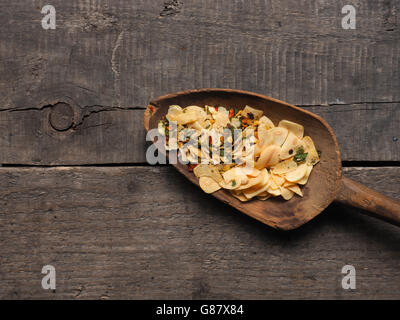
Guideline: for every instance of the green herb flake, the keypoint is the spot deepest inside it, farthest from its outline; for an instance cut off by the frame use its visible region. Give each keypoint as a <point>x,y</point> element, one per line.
<point>300,150</point>
<point>233,183</point>
<point>300,155</point>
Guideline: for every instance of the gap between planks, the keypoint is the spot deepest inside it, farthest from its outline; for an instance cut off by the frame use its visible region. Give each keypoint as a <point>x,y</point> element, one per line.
<point>345,164</point>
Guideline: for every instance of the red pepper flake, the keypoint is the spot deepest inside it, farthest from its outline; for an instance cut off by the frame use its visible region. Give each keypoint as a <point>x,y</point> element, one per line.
<point>151,110</point>
<point>209,140</point>
<point>231,113</point>
<point>191,166</point>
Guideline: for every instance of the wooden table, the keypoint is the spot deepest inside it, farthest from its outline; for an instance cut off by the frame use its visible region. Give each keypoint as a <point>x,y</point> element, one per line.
<point>76,191</point>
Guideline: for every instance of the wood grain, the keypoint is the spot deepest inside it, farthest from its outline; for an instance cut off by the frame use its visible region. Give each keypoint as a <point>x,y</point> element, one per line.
<point>128,51</point>
<point>370,201</point>
<point>146,232</point>
<point>102,135</point>
<point>111,135</point>
<point>120,54</point>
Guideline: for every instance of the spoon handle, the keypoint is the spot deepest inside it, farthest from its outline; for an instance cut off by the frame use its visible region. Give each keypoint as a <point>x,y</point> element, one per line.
<point>357,195</point>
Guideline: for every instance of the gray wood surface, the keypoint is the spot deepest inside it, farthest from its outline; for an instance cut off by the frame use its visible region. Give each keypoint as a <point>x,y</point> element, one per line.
<point>146,232</point>
<point>365,133</point>
<point>75,96</point>
<point>120,54</point>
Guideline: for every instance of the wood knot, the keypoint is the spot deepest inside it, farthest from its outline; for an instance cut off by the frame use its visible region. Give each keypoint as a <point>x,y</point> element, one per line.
<point>61,116</point>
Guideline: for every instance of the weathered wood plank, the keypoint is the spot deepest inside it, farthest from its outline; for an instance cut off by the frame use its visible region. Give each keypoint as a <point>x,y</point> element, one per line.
<point>146,232</point>
<point>365,131</point>
<point>110,135</point>
<point>128,52</point>
<point>103,136</point>
<point>120,54</point>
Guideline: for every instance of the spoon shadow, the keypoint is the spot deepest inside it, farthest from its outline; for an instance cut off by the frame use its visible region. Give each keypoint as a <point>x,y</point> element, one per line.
<point>336,218</point>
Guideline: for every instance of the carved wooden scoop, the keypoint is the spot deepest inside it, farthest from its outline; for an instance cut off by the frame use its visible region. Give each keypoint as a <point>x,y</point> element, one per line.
<point>325,184</point>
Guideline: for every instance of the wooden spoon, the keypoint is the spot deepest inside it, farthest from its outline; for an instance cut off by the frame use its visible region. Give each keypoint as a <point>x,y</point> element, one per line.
<point>325,184</point>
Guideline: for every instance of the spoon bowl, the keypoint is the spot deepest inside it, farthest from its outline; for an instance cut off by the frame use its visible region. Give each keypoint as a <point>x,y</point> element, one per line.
<point>325,184</point>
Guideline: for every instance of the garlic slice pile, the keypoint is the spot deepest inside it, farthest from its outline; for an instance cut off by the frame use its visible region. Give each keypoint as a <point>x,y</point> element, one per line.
<point>283,157</point>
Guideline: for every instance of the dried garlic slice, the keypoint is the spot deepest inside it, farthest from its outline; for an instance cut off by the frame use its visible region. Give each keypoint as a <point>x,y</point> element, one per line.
<point>289,147</point>
<point>173,112</point>
<point>286,193</point>
<point>284,166</point>
<point>278,179</point>
<point>269,157</point>
<point>298,174</point>
<point>252,182</point>
<point>239,195</point>
<point>255,112</point>
<point>208,185</point>
<point>258,188</point>
<point>263,198</point>
<point>205,170</point>
<point>296,189</point>
<point>266,122</point>
<point>312,156</point>
<point>297,129</point>
<point>186,117</point>
<point>278,135</point>
<point>304,180</point>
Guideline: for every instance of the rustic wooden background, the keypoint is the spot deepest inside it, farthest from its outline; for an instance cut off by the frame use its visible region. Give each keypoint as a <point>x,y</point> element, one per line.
<point>75,189</point>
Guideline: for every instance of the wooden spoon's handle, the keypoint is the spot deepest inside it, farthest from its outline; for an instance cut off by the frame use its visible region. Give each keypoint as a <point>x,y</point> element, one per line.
<point>378,205</point>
